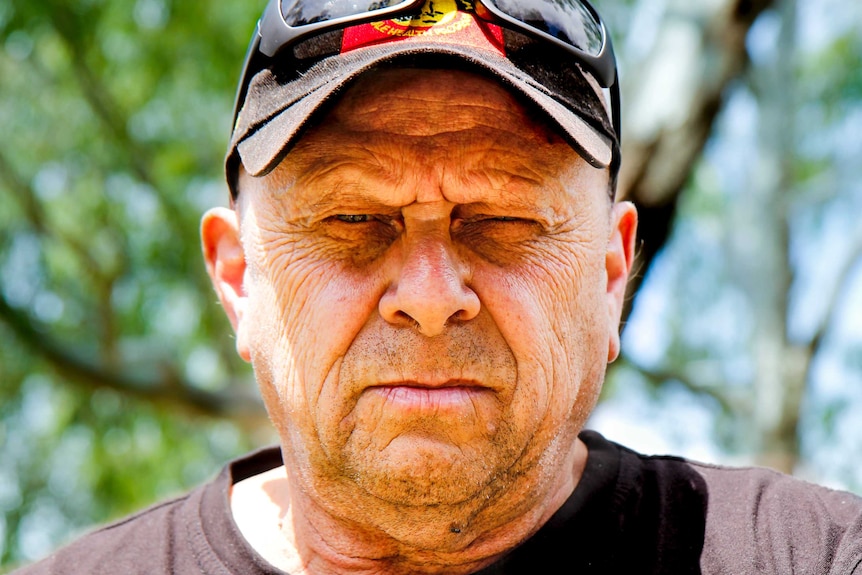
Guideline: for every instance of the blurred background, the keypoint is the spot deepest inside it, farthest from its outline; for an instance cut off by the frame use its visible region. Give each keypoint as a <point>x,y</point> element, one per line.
<point>119,384</point>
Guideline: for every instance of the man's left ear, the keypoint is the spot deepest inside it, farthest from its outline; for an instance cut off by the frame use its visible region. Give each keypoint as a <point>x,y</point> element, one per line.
<point>225,261</point>
<point>618,264</point>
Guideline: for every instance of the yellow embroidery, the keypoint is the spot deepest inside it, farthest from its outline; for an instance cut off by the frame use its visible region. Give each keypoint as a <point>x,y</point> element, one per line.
<point>437,17</point>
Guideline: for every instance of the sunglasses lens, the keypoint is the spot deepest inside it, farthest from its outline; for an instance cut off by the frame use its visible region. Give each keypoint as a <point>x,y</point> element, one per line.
<point>567,20</point>
<point>304,12</point>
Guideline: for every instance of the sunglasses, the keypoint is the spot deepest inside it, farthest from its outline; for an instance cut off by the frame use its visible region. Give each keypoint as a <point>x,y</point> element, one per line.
<point>571,25</point>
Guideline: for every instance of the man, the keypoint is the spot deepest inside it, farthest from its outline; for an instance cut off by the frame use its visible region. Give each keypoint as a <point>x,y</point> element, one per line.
<point>425,266</point>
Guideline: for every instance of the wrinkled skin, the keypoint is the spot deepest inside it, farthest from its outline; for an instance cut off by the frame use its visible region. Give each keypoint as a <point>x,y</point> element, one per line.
<point>429,289</point>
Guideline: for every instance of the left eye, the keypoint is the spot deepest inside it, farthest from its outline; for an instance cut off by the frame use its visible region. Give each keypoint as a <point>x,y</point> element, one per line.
<point>486,220</point>
<point>353,218</point>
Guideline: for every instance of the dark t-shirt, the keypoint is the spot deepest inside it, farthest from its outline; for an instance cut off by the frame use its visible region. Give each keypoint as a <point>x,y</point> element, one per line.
<point>629,514</point>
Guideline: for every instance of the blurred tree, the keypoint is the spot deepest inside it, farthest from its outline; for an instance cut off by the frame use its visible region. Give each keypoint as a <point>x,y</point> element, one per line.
<point>751,306</point>
<point>681,64</point>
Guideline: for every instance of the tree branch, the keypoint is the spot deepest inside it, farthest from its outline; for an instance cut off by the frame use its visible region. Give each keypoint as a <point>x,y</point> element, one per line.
<point>833,299</point>
<point>169,390</point>
<point>659,376</point>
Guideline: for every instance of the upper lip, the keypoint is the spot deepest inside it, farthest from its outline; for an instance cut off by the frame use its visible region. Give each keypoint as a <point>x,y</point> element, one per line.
<point>430,383</point>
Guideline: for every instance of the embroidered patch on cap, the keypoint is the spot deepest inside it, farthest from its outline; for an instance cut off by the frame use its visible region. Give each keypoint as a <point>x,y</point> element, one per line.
<point>452,21</point>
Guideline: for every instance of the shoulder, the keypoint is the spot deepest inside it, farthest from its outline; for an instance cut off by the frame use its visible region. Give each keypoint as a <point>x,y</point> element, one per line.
<point>194,533</point>
<point>125,546</point>
<point>767,491</point>
<point>761,519</point>
<point>741,519</point>
<point>739,493</point>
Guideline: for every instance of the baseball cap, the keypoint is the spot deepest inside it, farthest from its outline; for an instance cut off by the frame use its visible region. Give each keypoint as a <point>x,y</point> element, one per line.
<point>296,85</point>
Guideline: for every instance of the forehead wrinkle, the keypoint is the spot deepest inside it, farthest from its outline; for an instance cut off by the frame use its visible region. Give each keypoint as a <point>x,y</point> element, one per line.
<point>327,168</point>
<point>433,118</point>
<point>513,174</point>
<point>447,97</point>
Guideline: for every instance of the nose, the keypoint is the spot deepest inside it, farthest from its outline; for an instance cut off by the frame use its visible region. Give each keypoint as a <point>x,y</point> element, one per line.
<point>429,289</point>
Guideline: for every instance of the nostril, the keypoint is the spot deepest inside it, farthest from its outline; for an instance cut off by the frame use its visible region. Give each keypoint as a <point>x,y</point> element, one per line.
<point>405,319</point>
<point>460,315</point>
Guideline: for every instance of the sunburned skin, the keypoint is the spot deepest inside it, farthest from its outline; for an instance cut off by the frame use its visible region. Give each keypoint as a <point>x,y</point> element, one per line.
<point>429,294</point>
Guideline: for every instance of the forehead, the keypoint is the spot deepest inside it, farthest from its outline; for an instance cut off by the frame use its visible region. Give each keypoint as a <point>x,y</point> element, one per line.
<point>424,102</point>
<point>412,125</point>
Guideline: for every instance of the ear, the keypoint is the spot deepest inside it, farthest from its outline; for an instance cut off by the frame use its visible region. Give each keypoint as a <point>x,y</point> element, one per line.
<point>618,263</point>
<point>226,266</point>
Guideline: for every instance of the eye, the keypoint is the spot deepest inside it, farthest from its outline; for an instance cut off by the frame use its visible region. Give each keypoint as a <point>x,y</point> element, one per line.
<point>485,221</point>
<point>353,218</point>
<point>494,236</point>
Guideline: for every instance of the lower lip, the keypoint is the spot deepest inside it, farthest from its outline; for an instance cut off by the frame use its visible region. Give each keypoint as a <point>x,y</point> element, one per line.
<point>428,398</point>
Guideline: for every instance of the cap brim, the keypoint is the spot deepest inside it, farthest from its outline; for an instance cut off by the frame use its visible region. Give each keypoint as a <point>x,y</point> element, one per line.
<point>266,130</point>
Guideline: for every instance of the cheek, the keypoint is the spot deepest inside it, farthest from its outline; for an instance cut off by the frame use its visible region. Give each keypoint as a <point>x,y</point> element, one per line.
<point>551,315</point>
<point>307,313</point>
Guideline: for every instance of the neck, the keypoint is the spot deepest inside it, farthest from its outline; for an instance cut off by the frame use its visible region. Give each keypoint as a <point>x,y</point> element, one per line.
<point>331,529</point>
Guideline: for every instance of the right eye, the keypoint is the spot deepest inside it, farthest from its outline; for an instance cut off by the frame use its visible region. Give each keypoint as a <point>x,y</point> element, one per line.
<point>361,237</point>
<point>353,218</point>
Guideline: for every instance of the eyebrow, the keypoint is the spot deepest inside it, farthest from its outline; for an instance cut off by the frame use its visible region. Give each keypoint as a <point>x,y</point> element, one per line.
<point>333,183</point>
<point>351,195</point>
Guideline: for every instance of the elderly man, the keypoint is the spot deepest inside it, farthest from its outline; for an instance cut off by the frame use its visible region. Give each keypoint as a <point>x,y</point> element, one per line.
<point>425,265</point>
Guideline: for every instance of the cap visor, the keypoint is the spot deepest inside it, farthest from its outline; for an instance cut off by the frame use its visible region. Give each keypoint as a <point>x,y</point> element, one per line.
<point>264,134</point>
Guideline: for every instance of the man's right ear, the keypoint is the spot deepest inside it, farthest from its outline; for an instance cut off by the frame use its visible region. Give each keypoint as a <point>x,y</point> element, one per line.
<point>225,261</point>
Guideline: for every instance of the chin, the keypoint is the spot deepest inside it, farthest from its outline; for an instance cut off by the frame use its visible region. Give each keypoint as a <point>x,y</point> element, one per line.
<point>428,472</point>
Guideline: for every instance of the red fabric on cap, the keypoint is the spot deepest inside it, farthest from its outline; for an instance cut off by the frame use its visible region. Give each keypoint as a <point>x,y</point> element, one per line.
<point>438,19</point>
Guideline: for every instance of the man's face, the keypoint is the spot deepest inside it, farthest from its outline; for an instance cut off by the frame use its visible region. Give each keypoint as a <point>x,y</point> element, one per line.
<point>427,304</point>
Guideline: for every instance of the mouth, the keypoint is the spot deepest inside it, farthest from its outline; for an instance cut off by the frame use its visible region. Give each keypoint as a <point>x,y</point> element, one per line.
<point>429,396</point>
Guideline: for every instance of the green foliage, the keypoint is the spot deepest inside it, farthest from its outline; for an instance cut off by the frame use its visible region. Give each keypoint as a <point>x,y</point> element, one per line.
<point>116,366</point>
